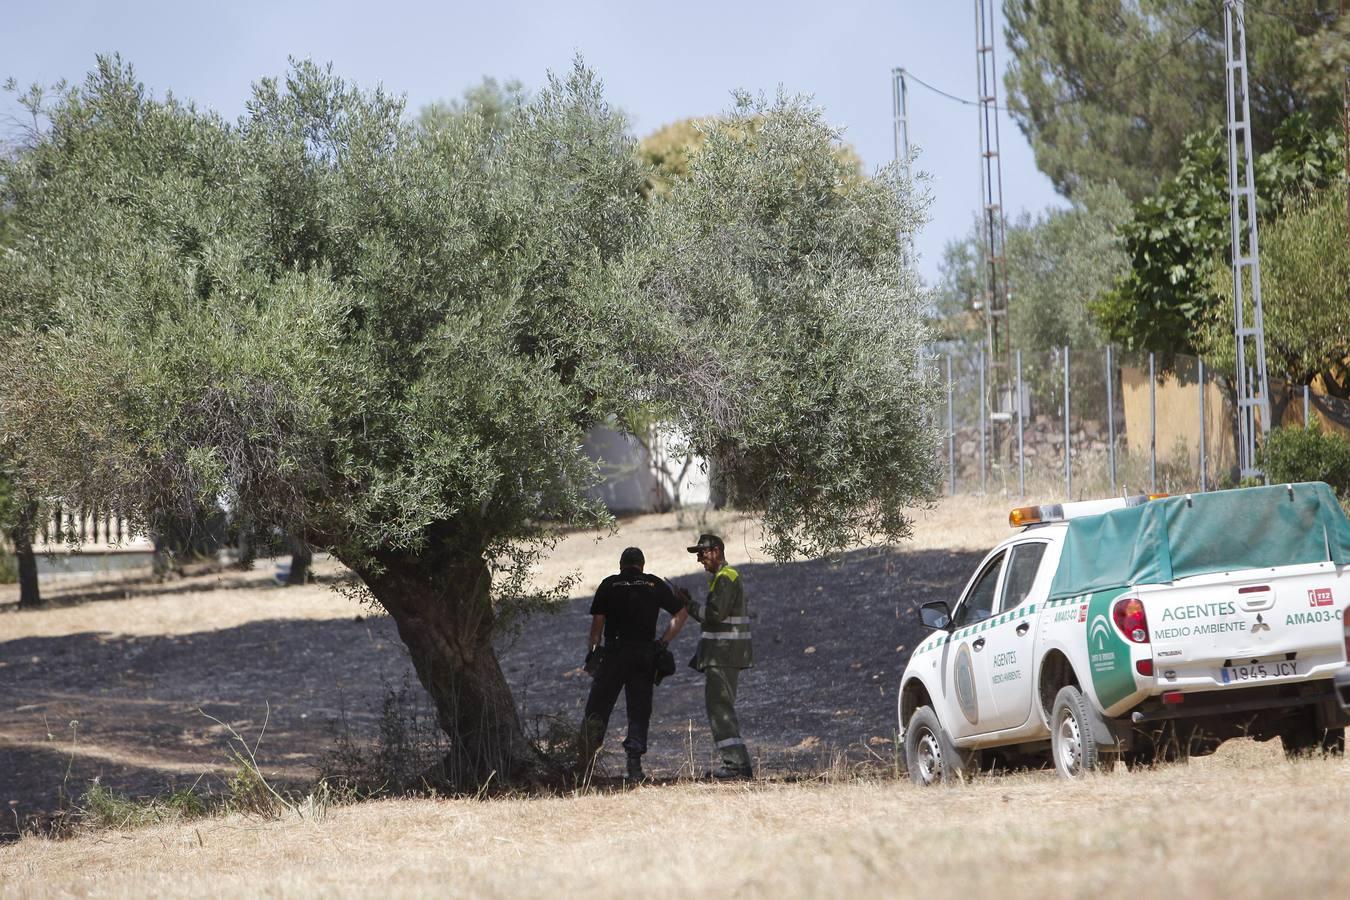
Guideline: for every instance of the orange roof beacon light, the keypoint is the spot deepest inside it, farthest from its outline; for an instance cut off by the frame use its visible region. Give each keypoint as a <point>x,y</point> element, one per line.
<point>1024,516</point>
<point>1035,515</point>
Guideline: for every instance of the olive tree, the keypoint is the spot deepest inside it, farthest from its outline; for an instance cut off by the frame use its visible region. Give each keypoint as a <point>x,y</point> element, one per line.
<point>1305,280</point>
<point>392,336</point>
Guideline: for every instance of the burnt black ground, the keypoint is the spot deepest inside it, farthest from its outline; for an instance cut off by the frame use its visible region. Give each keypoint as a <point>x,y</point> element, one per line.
<point>831,641</point>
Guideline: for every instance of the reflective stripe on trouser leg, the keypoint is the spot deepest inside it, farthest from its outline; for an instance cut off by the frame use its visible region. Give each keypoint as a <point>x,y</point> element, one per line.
<point>720,696</point>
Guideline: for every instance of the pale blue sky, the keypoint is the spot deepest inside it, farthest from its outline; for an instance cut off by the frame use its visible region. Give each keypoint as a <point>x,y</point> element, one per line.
<point>659,63</point>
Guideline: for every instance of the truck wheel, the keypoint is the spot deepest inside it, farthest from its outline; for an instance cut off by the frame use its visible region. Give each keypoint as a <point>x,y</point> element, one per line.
<point>1306,739</point>
<point>930,755</point>
<point>1071,742</point>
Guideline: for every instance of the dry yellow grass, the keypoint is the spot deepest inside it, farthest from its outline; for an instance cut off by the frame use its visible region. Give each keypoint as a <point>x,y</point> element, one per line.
<point>1243,824</point>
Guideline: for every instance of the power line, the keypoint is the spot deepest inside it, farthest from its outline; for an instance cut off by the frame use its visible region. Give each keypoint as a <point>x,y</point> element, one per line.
<point>940,92</point>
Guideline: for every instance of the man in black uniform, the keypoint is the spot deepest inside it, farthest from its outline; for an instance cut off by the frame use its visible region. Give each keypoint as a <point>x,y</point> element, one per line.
<point>625,611</point>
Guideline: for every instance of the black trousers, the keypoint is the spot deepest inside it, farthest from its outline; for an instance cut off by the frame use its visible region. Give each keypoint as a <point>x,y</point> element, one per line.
<point>627,667</point>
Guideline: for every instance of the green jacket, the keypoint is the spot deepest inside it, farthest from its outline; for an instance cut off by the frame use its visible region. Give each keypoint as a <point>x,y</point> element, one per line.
<point>726,624</point>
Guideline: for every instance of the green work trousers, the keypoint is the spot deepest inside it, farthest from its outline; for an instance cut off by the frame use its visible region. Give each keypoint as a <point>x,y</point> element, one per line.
<point>719,693</point>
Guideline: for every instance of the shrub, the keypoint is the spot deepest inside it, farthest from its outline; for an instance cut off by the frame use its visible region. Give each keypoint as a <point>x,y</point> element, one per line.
<point>102,808</point>
<point>406,747</point>
<point>1306,454</point>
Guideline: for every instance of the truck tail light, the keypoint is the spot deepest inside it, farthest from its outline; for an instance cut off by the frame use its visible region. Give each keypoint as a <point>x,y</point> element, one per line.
<point>1144,667</point>
<point>1130,619</point>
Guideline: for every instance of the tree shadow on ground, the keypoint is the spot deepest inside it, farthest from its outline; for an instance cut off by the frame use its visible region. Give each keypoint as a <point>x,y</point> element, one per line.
<point>138,704</point>
<point>831,640</point>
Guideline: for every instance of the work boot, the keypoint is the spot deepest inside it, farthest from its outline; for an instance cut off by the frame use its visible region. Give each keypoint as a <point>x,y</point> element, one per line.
<point>635,772</point>
<point>725,773</point>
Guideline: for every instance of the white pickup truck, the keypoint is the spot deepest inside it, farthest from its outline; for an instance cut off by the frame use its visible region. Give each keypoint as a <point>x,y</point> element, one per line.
<point>1138,629</point>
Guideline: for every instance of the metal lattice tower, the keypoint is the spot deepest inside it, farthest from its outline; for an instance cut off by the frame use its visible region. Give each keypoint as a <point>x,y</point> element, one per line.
<point>900,113</point>
<point>998,399</point>
<point>1253,390</point>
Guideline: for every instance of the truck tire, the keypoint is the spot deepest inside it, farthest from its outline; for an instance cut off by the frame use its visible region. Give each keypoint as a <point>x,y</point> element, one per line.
<point>1072,744</point>
<point>1306,739</point>
<point>930,755</point>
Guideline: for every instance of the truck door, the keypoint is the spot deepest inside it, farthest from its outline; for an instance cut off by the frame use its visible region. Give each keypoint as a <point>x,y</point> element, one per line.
<point>965,670</point>
<point>1009,635</point>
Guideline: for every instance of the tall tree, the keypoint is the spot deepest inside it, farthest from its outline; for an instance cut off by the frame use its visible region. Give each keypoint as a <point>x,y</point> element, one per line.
<point>1305,281</point>
<point>1110,89</point>
<point>19,523</point>
<point>1059,262</point>
<point>1167,296</point>
<point>669,151</point>
<point>495,102</point>
<point>394,337</point>
<point>18,511</point>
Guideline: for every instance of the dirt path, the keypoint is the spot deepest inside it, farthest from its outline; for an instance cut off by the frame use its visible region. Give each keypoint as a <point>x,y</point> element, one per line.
<point>116,681</point>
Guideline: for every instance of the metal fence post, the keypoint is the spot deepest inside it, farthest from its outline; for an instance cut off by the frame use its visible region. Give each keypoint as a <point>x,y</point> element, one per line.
<point>983,421</point>
<point>1305,406</point>
<point>1152,426</point>
<point>951,432</point>
<point>1111,416</point>
<point>1201,364</point>
<point>1021,427</point>
<point>1068,464</point>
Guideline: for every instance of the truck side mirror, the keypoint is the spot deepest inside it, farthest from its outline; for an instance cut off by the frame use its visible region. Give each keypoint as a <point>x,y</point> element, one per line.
<point>936,614</point>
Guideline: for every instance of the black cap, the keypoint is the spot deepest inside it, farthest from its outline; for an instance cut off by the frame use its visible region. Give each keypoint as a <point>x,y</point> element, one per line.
<point>632,558</point>
<point>708,542</point>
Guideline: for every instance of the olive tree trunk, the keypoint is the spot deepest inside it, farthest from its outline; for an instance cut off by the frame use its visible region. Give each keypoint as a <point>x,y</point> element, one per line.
<point>21,535</point>
<point>443,609</point>
<point>301,558</point>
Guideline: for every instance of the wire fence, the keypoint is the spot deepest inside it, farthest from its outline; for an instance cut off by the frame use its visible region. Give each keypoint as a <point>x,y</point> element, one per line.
<point>1095,423</point>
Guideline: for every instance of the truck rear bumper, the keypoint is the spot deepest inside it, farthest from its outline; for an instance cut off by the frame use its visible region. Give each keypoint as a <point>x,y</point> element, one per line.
<point>1330,697</point>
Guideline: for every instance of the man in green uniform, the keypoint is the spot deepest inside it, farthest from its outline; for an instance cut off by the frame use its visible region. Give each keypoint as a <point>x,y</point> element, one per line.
<point>723,650</point>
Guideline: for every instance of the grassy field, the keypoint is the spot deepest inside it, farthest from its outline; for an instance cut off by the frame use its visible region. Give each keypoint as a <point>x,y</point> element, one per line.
<point>1243,823</point>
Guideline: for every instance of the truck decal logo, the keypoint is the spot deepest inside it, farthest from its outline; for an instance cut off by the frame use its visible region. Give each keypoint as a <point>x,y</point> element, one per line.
<point>1259,625</point>
<point>1101,632</point>
<point>1319,597</point>
<point>1109,654</point>
<point>963,676</point>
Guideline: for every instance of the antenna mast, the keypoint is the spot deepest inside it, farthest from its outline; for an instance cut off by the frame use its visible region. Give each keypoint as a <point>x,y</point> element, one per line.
<point>900,113</point>
<point>998,346</point>
<point>1253,389</point>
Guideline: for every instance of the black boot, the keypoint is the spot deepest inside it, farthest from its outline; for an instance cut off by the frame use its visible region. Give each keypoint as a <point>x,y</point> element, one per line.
<point>635,772</point>
<point>730,773</point>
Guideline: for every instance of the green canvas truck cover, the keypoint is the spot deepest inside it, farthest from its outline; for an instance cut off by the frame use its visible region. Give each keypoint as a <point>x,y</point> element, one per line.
<point>1224,531</point>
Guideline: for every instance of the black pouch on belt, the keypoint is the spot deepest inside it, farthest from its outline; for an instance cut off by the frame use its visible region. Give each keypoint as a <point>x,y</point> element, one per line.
<point>665,663</point>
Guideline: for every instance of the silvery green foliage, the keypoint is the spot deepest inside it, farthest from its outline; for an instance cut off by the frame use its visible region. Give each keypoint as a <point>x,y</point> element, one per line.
<point>395,335</point>
<point>787,339</point>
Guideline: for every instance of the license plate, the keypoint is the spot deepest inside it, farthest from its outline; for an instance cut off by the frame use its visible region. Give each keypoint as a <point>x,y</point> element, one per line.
<point>1259,671</point>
